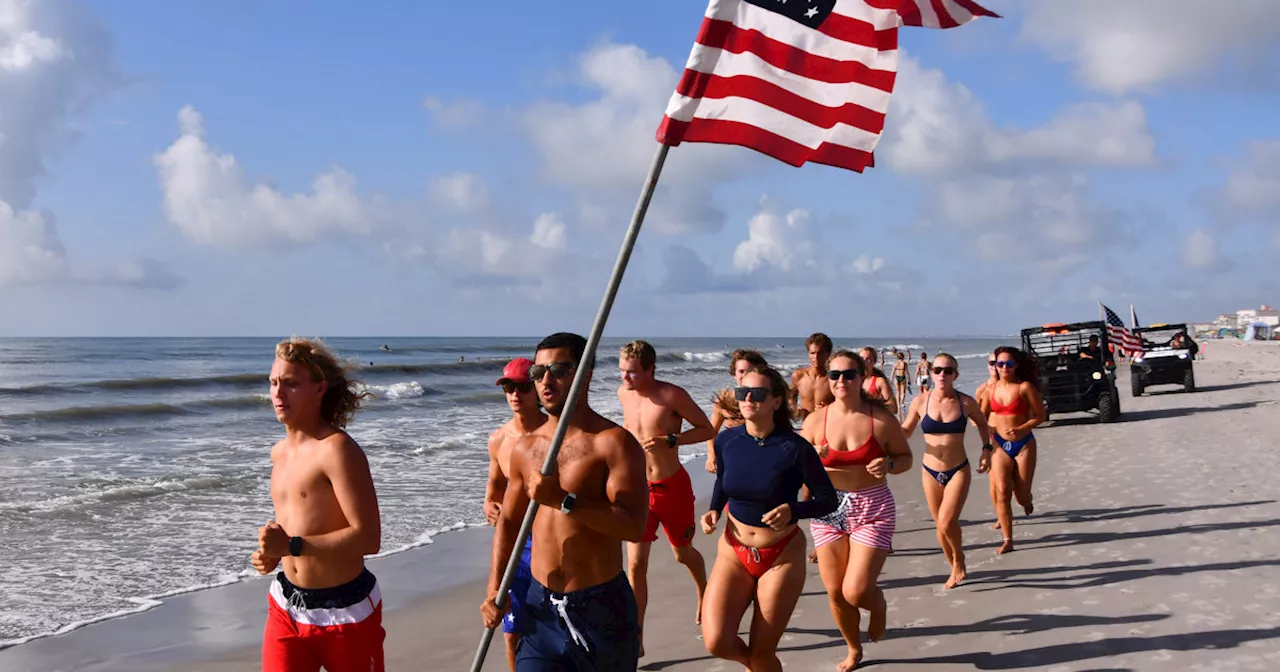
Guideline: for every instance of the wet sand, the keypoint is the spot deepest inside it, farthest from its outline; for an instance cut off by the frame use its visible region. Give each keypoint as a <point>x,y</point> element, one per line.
<point>1153,547</point>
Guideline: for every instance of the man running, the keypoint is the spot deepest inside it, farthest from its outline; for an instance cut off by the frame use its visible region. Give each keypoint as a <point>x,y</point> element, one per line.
<point>526,416</point>
<point>809,387</point>
<point>581,611</point>
<point>325,608</point>
<point>654,412</point>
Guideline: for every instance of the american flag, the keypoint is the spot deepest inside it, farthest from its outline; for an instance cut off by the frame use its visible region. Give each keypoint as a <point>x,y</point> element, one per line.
<point>805,80</point>
<point>1119,335</point>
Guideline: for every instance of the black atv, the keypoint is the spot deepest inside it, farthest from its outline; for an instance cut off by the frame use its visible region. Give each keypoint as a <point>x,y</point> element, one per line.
<point>1168,353</point>
<point>1077,366</point>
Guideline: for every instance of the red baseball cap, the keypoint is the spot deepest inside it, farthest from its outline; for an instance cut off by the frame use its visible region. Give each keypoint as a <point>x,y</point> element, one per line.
<point>516,371</point>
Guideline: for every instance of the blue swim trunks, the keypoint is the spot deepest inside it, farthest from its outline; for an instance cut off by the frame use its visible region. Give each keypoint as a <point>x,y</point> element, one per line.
<point>519,590</point>
<point>595,629</point>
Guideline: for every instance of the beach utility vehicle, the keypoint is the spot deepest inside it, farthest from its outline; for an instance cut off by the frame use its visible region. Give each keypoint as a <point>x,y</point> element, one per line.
<point>1077,377</point>
<point>1167,358</point>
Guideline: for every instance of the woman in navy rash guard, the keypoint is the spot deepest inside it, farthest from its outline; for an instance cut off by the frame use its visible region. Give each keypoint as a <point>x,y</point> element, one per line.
<point>761,467</point>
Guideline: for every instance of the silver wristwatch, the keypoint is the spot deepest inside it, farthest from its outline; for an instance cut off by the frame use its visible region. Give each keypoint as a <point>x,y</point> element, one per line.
<point>569,500</point>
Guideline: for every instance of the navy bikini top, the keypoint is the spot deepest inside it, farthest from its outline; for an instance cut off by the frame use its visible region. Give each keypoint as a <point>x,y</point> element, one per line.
<point>930,426</point>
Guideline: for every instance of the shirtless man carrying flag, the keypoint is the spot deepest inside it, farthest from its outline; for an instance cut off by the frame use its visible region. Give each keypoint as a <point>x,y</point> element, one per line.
<point>654,412</point>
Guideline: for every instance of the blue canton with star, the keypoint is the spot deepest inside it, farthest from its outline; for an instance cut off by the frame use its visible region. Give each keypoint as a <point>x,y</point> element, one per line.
<point>808,12</point>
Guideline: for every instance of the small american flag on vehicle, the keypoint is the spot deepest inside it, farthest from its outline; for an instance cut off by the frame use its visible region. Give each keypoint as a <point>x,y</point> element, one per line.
<point>1123,338</point>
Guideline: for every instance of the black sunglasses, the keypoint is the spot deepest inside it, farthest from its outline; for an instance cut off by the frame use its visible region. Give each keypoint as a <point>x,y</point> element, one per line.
<point>524,388</point>
<point>755,394</point>
<point>847,374</point>
<point>944,370</point>
<point>991,362</point>
<point>558,370</point>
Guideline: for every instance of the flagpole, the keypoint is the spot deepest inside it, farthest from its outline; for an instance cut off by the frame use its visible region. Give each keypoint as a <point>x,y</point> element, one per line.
<point>578,388</point>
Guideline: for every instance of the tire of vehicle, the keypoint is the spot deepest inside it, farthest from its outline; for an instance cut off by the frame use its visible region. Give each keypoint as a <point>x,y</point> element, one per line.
<point>1189,381</point>
<point>1108,409</point>
<point>1135,382</point>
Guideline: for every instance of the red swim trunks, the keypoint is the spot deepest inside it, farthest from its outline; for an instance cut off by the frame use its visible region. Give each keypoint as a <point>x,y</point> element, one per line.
<point>339,628</point>
<point>671,503</point>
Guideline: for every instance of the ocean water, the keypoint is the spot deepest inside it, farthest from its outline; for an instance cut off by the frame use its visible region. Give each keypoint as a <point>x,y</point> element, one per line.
<point>133,469</point>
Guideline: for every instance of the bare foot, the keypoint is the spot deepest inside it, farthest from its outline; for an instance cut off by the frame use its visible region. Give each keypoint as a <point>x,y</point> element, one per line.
<point>851,662</point>
<point>697,618</point>
<point>640,637</point>
<point>1030,507</point>
<point>1007,547</point>
<point>996,525</point>
<point>958,574</point>
<point>879,618</point>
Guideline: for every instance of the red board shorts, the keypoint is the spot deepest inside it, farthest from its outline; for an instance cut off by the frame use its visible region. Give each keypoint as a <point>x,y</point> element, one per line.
<point>339,628</point>
<point>671,503</point>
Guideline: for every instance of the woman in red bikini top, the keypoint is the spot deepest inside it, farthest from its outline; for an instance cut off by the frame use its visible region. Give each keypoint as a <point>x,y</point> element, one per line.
<point>1014,407</point>
<point>860,443</point>
<point>874,383</point>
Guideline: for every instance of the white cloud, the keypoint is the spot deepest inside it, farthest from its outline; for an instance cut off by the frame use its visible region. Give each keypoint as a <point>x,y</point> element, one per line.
<point>549,231</point>
<point>601,149</point>
<point>1007,192</point>
<point>456,115</point>
<point>208,198</point>
<point>1201,252</point>
<point>1254,187</point>
<point>54,61</point>
<point>1124,45</point>
<point>937,127</point>
<point>782,241</point>
<point>865,264</point>
<point>461,192</point>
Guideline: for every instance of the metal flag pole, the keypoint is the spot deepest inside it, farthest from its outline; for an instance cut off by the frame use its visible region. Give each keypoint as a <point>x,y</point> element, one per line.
<point>578,388</point>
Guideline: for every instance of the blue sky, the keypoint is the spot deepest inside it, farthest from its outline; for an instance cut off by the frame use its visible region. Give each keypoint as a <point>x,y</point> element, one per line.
<point>237,168</point>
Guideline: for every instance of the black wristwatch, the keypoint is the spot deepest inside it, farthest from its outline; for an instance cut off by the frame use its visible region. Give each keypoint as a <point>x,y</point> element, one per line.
<point>889,461</point>
<point>673,439</point>
<point>570,500</point>
<point>295,546</point>
<point>987,446</point>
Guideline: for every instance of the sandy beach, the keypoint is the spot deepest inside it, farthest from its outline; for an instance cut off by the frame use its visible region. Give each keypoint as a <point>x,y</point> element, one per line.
<point>1153,547</point>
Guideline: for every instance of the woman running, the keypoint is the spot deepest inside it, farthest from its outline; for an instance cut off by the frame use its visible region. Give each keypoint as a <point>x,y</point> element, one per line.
<point>900,380</point>
<point>860,443</point>
<point>760,557</point>
<point>981,395</point>
<point>945,465</point>
<point>874,382</point>
<point>922,373</point>
<point>724,408</point>
<point>1015,407</point>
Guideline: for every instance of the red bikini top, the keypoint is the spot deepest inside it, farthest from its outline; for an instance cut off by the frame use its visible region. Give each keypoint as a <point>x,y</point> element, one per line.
<point>860,456</point>
<point>1018,407</point>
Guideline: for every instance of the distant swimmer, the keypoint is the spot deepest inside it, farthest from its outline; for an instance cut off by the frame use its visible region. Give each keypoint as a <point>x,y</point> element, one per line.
<point>809,390</point>
<point>325,608</point>
<point>725,413</point>
<point>385,348</point>
<point>945,465</point>
<point>581,611</point>
<point>760,556</point>
<point>859,443</point>
<point>1015,407</point>
<point>876,384</point>
<point>655,413</point>
<point>526,416</point>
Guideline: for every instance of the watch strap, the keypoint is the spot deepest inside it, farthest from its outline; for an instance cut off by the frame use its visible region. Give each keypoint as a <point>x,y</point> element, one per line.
<point>295,546</point>
<point>567,505</point>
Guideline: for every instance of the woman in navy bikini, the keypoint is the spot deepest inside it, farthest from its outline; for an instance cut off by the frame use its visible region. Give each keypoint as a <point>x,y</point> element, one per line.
<point>761,466</point>
<point>945,464</point>
<point>1014,406</point>
<point>860,443</point>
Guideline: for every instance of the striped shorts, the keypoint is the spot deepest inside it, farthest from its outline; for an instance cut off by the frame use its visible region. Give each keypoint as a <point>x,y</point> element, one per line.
<point>867,517</point>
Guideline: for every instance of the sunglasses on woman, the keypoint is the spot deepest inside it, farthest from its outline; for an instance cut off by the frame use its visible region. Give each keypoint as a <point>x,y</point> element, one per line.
<point>944,370</point>
<point>558,370</point>
<point>847,374</point>
<point>1006,364</point>
<point>754,394</point>
<point>991,362</point>
<point>522,388</point>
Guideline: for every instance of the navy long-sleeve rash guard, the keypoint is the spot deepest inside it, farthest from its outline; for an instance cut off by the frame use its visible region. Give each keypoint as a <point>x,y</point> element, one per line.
<point>754,479</point>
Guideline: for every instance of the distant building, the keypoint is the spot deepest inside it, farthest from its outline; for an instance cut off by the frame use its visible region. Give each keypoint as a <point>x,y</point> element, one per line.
<point>1266,315</point>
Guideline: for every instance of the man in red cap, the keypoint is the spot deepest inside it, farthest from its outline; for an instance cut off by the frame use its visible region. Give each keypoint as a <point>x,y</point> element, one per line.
<point>526,416</point>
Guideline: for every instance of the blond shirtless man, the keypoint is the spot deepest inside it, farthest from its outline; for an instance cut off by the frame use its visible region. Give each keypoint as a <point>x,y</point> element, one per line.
<point>655,412</point>
<point>526,416</point>
<point>325,608</point>
<point>809,388</point>
<point>581,611</point>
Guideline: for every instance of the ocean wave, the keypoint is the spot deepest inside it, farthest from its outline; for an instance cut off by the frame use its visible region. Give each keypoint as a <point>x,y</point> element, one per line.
<point>701,356</point>
<point>146,383</point>
<point>113,411</point>
<point>121,493</point>
<point>411,389</point>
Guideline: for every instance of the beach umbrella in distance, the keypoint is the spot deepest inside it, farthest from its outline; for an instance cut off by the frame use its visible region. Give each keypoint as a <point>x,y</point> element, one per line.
<point>802,82</point>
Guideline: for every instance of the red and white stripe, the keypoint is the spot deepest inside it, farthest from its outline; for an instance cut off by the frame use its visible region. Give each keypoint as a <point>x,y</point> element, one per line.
<point>759,79</point>
<point>1124,339</point>
<point>868,517</point>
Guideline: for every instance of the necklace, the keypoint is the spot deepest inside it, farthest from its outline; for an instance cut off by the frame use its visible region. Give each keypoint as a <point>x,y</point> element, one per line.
<point>760,440</point>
